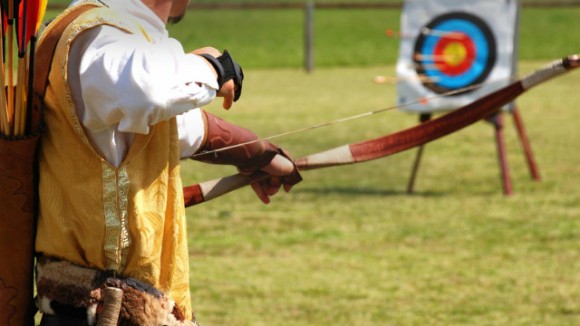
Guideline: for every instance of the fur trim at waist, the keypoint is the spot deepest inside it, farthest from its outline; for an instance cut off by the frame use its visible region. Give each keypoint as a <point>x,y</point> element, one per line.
<point>63,284</point>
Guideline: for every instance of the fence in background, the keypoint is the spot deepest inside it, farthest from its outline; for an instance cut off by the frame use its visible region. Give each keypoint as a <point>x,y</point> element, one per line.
<point>309,7</point>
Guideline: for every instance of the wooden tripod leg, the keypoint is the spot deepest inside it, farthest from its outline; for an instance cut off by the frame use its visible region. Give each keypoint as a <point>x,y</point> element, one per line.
<point>497,121</point>
<point>424,117</point>
<point>532,166</point>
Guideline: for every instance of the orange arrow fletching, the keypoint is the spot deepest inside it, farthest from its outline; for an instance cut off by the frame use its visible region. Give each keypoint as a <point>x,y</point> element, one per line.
<point>4,9</point>
<point>30,14</point>
<point>41,10</point>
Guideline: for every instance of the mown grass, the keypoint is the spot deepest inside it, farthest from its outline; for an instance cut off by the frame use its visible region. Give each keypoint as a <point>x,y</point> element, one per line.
<point>349,246</point>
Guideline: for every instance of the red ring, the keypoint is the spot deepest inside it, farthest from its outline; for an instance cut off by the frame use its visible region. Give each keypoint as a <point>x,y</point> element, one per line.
<point>445,41</point>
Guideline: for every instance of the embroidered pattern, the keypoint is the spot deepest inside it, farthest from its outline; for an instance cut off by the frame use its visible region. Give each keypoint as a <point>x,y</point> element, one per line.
<point>115,200</point>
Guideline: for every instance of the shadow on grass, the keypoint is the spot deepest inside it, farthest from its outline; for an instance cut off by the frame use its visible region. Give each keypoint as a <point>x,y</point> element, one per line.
<point>352,191</point>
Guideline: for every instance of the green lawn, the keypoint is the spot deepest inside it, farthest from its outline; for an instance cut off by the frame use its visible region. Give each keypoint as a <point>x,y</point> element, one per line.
<point>349,246</point>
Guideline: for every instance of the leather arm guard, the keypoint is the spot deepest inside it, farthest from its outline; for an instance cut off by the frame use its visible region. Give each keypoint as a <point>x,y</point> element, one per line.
<point>251,154</point>
<point>227,69</point>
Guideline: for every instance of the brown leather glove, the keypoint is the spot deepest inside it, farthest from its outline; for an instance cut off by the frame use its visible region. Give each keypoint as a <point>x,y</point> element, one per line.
<point>247,152</point>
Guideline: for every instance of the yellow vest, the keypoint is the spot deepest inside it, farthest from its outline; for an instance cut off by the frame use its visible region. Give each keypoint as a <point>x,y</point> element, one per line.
<point>129,219</point>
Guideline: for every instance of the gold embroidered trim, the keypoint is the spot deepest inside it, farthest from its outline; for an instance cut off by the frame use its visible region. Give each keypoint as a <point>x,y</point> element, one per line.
<point>112,223</point>
<point>115,201</point>
<point>123,193</point>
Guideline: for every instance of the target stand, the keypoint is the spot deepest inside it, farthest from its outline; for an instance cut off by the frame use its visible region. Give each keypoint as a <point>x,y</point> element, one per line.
<point>497,121</point>
<point>455,52</point>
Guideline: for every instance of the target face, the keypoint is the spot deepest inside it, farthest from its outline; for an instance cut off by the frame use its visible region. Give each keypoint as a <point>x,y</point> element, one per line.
<point>454,51</point>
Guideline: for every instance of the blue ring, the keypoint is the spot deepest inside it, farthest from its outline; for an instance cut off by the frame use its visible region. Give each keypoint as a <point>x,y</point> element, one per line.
<point>478,65</point>
<point>485,51</point>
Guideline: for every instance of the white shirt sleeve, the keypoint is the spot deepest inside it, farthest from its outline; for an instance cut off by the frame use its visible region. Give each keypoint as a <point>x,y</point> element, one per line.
<point>127,81</point>
<point>190,142</point>
<point>126,84</point>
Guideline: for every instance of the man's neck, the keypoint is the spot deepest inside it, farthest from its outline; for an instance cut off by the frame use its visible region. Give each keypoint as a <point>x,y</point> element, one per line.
<point>160,7</point>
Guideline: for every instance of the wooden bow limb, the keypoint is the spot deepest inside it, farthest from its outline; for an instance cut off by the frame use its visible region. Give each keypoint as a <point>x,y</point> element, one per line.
<point>208,190</point>
<point>396,142</point>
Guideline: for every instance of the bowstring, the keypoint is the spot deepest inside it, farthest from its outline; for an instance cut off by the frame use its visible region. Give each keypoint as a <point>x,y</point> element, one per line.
<point>356,116</point>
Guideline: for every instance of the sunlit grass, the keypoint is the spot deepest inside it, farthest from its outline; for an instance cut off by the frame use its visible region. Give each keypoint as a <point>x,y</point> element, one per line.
<point>348,245</point>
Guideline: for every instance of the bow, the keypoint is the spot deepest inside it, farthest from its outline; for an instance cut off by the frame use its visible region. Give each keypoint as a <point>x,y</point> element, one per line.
<point>397,142</point>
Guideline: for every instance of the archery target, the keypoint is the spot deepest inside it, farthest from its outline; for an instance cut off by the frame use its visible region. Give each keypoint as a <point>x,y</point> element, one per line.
<point>454,51</point>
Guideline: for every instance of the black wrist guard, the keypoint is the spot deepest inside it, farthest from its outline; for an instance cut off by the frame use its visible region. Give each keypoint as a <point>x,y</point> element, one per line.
<point>227,69</point>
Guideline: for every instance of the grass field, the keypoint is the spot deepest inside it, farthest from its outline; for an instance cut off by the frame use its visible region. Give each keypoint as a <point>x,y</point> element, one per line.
<point>348,245</point>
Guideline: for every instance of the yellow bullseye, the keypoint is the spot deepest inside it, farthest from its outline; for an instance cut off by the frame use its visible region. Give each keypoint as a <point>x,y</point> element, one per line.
<point>454,54</point>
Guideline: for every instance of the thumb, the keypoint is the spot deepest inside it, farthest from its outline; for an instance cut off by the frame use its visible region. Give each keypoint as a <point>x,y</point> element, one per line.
<point>279,166</point>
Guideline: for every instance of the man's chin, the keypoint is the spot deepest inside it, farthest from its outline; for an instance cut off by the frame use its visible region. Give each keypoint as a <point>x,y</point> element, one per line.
<point>175,19</point>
